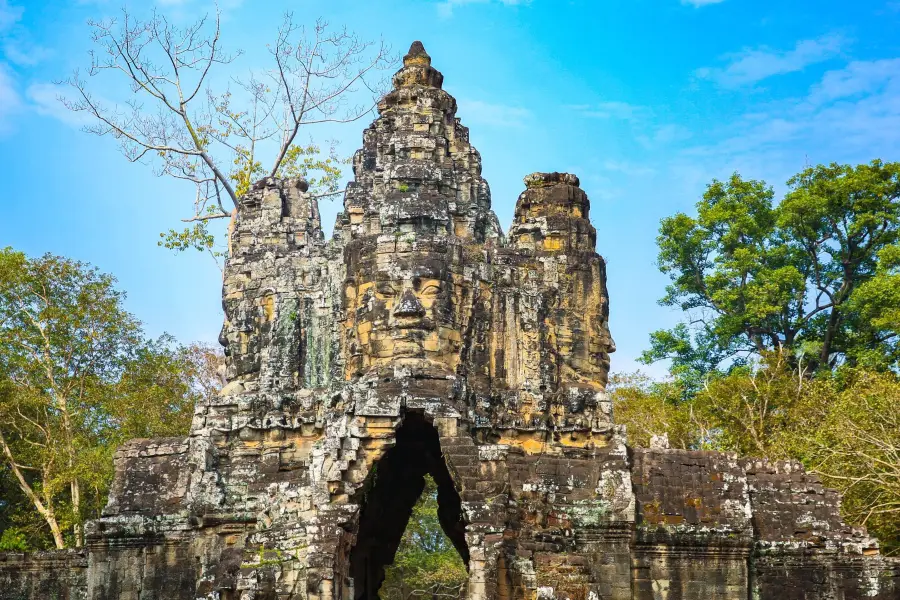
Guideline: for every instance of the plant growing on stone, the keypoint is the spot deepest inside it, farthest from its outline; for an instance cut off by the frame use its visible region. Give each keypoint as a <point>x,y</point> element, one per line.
<point>179,119</point>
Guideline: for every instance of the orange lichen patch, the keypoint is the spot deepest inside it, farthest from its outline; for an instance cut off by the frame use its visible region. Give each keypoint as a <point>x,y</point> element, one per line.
<point>529,442</point>
<point>296,448</point>
<point>673,519</point>
<point>268,305</point>
<point>651,512</point>
<point>553,243</point>
<point>582,439</point>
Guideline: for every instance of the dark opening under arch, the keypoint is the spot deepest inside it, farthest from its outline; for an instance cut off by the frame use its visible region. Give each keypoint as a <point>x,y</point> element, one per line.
<point>395,485</point>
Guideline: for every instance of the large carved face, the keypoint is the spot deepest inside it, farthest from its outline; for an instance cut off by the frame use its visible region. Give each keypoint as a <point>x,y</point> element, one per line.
<point>405,309</point>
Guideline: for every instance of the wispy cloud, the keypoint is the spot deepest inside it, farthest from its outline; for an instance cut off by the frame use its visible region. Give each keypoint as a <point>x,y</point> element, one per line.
<point>445,8</point>
<point>24,53</point>
<point>699,3</point>
<point>852,114</point>
<point>622,111</point>
<point>10,103</point>
<point>17,47</point>
<point>44,99</point>
<point>753,65</point>
<point>9,15</point>
<point>497,115</point>
<point>856,79</point>
<point>664,135</point>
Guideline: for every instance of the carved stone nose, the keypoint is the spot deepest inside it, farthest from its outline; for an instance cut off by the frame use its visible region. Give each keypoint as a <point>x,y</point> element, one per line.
<point>409,306</point>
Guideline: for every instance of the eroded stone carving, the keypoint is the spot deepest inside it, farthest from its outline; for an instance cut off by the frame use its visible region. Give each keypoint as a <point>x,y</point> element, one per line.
<point>420,340</point>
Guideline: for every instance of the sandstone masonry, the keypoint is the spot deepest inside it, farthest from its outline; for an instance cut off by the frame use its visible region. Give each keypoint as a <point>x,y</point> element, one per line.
<point>421,340</point>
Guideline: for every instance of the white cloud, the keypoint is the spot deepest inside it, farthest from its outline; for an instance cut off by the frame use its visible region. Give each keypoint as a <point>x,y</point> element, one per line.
<point>10,103</point>
<point>753,65</point>
<point>699,3</point>
<point>25,54</point>
<point>445,8</point>
<point>857,78</point>
<point>17,48</point>
<point>9,15</point>
<point>44,99</point>
<point>628,168</point>
<point>622,111</point>
<point>498,115</point>
<point>851,115</point>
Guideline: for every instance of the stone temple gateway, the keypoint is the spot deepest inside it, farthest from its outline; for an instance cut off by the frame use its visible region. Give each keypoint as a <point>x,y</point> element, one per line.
<point>421,340</point>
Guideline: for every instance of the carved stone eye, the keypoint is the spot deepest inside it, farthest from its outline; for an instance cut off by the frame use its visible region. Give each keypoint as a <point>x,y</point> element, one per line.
<point>430,291</point>
<point>385,291</point>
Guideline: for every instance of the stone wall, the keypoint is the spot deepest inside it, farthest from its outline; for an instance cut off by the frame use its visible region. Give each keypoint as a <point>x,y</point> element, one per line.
<point>59,575</point>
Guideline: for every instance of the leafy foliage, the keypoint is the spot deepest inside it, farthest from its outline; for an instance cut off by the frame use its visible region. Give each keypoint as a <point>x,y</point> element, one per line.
<point>756,277</point>
<point>13,540</point>
<point>844,426</point>
<point>426,563</point>
<point>650,408</point>
<point>77,378</point>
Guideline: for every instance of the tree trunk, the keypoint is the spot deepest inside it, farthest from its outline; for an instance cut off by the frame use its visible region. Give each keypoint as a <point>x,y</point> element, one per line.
<point>46,511</point>
<point>830,330</point>
<point>76,508</point>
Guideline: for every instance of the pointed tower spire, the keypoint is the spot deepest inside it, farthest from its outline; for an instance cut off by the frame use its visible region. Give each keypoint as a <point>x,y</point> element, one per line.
<point>417,69</point>
<point>416,55</point>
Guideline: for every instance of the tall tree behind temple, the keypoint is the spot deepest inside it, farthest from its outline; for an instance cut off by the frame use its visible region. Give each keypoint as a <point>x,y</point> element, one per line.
<point>755,276</point>
<point>215,138</point>
<point>77,377</point>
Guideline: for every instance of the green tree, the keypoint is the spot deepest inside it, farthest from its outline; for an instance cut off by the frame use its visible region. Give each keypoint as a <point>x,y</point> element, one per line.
<point>876,305</point>
<point>426,563</point>
<point>757,409</point>
<point>77,377</point>
<point>757,277</point>
<point>842,425</point>
<point>851,437</point>
<point>650,408</point>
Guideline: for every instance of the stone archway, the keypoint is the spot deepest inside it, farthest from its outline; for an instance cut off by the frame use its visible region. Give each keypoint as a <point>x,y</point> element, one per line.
<point>391,491</point>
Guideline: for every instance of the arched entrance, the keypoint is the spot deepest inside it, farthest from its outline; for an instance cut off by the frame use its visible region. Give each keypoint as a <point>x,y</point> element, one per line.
<point>391,491</point>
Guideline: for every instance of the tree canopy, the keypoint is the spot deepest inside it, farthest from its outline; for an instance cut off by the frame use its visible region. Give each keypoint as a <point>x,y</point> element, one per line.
<point>426,564</point>
<point>789,344</point>
<point>77,378</point>
<point>808,275</point>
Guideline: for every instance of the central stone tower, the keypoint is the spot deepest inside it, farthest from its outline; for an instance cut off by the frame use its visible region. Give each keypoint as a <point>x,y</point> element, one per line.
<point>421,341</point>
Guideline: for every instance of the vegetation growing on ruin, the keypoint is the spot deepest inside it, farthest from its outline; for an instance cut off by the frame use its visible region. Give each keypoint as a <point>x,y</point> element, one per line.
<point>789,347</point>
<point>426,564</point>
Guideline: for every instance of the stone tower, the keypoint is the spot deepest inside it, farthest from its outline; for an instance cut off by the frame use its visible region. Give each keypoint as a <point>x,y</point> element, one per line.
<point>421,341</point>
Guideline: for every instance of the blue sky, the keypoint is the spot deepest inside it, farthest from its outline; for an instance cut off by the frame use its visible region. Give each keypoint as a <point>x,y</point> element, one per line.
<point>646,100</point>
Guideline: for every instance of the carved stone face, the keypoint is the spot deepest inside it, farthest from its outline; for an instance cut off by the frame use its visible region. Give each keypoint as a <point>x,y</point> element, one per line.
<point>406,312</point>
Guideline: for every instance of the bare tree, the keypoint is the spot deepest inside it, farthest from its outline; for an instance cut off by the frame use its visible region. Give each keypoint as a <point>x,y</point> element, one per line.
<point>177,120</point>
